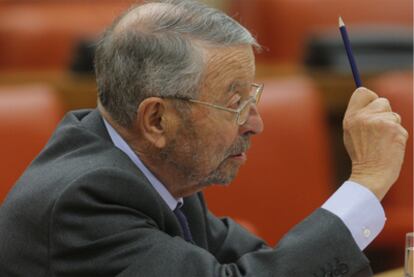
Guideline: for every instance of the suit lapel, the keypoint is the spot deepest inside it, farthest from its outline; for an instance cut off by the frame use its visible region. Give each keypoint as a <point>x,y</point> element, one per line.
<point>196,219</point>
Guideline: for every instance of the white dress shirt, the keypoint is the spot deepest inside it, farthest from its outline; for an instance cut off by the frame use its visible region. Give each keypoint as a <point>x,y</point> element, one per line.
<point>355,205</point>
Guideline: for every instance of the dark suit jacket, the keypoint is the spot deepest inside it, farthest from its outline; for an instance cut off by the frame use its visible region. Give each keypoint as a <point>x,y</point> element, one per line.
<point>82,208</point>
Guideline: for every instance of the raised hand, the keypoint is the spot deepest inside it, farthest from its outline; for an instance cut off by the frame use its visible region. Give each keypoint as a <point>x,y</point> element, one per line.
<point>375,141</point>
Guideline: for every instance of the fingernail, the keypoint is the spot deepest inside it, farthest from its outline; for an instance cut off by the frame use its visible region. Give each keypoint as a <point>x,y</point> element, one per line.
<point>361,88</point>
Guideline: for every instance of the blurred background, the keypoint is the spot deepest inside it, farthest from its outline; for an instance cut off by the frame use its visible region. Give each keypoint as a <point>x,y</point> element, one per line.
<point>46,54</point>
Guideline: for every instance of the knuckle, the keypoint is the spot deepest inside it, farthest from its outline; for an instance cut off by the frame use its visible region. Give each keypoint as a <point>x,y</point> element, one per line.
<point>390,124</point>
<point>384,103</point>
<point>384,100</point>
<point>384,124</point>
<point>398,132</point>
<point>404,133</point>
<point>366,118</point>
<point>356,119</point>
<point>396,114</point>
<point>401,140</point>
<point>393,127</point>
<point>368,93</point>
<point>348,120</point>
<point>346,124</point>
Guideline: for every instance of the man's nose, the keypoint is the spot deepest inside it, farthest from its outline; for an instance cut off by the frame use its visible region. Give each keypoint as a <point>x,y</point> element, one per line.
<point>254,123</point>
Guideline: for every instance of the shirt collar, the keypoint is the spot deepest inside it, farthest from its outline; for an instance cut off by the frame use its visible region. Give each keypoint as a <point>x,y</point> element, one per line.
<point>120,143</point>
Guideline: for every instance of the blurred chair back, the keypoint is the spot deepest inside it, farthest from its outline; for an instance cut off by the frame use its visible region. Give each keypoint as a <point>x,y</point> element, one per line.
<point>288,172</point>
<point>398,203</point>
<point>28,116</point>
<point>43,34</point>
<point>283,26</point>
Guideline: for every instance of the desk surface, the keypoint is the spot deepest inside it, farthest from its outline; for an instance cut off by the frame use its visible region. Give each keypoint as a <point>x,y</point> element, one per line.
<point>399,272</point>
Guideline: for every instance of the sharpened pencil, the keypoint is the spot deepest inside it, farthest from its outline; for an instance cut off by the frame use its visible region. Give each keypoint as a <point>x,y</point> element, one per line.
<point>348,49</point>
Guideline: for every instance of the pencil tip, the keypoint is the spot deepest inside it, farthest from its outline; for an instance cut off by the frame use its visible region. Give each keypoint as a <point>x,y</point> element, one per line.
<point>341,22</point>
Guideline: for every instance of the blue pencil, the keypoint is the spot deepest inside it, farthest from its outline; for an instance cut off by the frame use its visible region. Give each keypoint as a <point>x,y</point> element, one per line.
<point>348,49</point>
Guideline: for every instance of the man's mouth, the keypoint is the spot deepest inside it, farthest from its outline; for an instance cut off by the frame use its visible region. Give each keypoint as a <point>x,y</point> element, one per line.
<point>241,157</point>
<point>239,150</point>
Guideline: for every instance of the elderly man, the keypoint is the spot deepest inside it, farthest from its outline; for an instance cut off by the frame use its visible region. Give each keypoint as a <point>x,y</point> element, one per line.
<point>117,190</point>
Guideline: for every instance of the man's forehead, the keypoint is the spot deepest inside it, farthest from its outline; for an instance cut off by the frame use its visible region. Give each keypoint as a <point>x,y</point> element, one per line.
<point>230,63</point>
<point>230,55</point>
<point>239,84</point>
<point>232,67</point>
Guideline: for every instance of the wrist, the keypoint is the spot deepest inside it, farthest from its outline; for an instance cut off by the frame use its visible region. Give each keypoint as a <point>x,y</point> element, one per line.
<point>371,182</point>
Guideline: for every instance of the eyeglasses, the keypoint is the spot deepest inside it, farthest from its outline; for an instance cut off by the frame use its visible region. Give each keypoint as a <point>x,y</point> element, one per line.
<point>242,112</point>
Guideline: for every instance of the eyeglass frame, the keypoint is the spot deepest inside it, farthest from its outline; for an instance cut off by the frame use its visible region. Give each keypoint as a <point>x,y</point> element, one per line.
<point>253,99</point>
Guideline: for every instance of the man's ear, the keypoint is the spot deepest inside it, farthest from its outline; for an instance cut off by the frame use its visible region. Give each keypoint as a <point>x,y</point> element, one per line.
<point>151,116</point>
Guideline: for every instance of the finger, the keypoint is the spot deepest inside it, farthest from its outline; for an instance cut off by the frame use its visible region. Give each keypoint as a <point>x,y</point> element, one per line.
<point>360,99</point>
<point>404,132</point>
<point>398,117</point>
<point>387,116</point>
<point>401,134</point>
<point>379,105</point>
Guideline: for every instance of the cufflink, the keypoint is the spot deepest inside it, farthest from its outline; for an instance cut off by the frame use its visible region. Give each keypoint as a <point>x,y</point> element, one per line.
<point>366,232</point>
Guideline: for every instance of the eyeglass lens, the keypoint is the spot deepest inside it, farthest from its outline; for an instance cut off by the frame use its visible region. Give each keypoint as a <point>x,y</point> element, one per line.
<point>244,113</point>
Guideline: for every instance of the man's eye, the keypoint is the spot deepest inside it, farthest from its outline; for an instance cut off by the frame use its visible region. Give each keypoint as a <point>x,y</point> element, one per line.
<point>236,105</point>
<point>235,102</point>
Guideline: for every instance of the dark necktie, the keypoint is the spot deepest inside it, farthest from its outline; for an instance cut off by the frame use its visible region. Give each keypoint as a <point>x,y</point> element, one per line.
<point>184,224</point>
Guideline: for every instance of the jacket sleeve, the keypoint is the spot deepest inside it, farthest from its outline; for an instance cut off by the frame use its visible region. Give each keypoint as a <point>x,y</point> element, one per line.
<point>320,245</point>
<point>97,230</point>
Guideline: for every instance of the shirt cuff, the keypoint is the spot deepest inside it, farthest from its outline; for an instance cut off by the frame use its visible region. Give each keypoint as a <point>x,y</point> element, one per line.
<point>360,210</point>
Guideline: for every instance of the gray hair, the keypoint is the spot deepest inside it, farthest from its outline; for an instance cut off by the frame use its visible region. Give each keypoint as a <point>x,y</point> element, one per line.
<point>159,53</point>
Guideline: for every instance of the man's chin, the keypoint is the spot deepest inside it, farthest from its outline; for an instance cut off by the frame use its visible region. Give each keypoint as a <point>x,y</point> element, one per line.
<point>223,175</point>
<point>214,181</point>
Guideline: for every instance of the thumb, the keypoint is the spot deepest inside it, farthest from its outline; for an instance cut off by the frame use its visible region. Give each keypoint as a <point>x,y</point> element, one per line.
<point>360,98</point>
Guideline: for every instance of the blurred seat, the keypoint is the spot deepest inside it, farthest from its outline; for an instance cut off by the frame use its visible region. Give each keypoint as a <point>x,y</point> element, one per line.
<point>398,203</point>
<point>376,50</point>
<point>283,26</point>
<point>28,116</point>
<point>43,34</point>
<point>288,170</point>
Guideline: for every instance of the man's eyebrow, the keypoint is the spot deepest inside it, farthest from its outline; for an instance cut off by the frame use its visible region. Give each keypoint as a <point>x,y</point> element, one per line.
<point>235,85</point>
